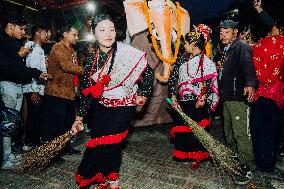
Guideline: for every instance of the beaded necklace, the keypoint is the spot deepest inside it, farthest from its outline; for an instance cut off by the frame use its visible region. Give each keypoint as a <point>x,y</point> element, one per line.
<point>201,63</point>
<point>95,63</point>
<point>103,79</point>
<point>201,68</point>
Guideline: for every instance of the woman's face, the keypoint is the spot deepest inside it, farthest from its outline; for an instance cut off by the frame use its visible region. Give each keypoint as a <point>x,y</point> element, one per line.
<point>105,33</point>
<point>189,47</point>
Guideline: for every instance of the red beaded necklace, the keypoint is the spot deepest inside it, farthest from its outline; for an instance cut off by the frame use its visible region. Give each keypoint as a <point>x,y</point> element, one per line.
<point>102,81</point>
<point>201,68</point>
<point>95,62</point>
<point>201,62</point>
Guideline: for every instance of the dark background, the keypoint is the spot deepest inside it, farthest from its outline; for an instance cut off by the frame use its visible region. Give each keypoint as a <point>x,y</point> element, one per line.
<point>56,13</point>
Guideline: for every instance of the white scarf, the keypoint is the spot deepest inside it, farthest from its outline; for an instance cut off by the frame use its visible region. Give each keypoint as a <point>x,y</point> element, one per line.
<point>190,74</point>
<point>129,63</point>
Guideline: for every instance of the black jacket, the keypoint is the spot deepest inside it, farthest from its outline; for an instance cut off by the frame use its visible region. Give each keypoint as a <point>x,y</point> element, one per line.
<point>238,72</point>
<point>266,20</point>
<point>12,67</point>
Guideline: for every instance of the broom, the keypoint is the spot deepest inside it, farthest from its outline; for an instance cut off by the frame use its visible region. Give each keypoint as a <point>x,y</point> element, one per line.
<point>38,158</point>
<point>223,156</point>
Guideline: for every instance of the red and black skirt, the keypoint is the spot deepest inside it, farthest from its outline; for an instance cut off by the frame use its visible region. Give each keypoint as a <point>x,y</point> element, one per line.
<point>102,158</point>
<point>186,145</point>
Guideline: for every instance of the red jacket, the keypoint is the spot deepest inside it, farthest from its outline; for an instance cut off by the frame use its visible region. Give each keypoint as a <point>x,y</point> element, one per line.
<point>268,58</point>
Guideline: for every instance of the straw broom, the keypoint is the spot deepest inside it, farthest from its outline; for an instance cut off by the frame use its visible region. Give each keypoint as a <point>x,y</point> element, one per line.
<point>223,156</point>
<point>38,158</point>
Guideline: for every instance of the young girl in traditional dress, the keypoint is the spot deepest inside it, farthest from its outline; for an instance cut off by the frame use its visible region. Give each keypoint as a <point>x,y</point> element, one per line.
<point>109,93</point>
<point>193,84</point>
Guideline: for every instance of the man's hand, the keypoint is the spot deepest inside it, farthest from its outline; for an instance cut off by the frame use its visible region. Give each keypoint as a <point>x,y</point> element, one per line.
<point>35,98</point>
<point>24,51</point>
<point>250,92</point>
<point>45,76</point>
<point>257,5</point>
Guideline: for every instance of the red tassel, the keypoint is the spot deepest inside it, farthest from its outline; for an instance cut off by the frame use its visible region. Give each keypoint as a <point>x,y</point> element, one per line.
<point>204,123</point>
<point>105,80</point>
<point>76,80</point>
<point>97,90</point>
<point>86,91</point>
<point>113,176</point>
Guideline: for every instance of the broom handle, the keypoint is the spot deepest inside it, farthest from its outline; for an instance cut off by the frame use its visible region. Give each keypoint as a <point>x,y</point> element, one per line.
<point>176,108</point>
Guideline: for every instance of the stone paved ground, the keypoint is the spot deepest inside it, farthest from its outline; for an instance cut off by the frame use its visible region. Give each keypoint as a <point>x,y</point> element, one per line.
<point>147,164</point>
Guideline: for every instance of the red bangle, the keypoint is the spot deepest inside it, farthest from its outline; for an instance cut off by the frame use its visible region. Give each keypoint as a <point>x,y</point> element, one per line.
<point>140,102</point>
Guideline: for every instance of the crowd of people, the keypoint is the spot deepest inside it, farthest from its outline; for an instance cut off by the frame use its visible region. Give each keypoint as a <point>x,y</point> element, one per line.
<point>103,89</point>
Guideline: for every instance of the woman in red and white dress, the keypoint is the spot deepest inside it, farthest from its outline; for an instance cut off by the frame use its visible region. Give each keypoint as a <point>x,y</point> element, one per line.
<point>109,96</point>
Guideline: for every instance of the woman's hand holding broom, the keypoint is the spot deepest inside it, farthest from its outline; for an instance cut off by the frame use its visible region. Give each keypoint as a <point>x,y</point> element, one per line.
<point>38,158</point>
<point>175,102</point>
<point>140,100</point>
<point>77,126</point>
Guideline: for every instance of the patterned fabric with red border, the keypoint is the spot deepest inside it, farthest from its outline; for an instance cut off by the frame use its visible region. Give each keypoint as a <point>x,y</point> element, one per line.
<point>184,128</point>
<point>82,182</point>
<point>110,139</point>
